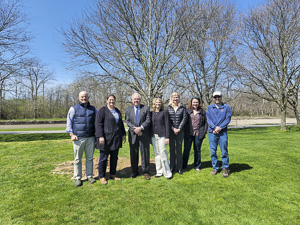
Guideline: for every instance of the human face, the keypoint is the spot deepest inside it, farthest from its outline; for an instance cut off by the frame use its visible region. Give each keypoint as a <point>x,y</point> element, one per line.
<point>218,99</point>
<point>195,104</point>
<point>157,105</point>
<point>175,99</point>
<point>110,102</point>
<point>83,97</point>
<point>136,100</point>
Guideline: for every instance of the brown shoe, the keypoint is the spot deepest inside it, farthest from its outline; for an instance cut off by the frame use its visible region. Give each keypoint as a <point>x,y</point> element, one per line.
<point>113,177</point>
<point>103,181</point>
<point>147,176</point>
<point>225,172</point>
<point>213,172</point>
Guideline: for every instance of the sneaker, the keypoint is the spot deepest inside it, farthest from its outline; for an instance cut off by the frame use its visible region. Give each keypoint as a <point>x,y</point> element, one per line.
<point>214,172</point>
<point>198,170</point>
<point>78,183</point>
<point>225,172</point>
<point>91,180</point>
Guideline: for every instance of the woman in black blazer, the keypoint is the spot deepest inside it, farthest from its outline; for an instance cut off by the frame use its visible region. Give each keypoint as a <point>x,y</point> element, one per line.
<point>160,130</point>
<point>110,134</point>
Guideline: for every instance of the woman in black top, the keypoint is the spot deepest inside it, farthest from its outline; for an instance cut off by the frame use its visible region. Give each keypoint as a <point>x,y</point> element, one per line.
<point>178,118</point>
<point>110,134</point>
<point>196,129</point>
<point>160,138</point>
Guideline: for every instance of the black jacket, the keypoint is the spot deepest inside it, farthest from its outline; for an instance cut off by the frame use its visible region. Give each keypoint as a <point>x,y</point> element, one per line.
<point>203,124</point>
<point>107,127</point>
<point>160,123</point>
<point>178,119</point>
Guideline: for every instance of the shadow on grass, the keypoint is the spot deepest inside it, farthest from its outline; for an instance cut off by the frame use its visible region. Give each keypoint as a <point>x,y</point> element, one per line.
<point>234,167</point>
<point>126,171</point>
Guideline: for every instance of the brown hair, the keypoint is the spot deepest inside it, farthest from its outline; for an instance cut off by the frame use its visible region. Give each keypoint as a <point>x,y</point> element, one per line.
<point>190,103</point>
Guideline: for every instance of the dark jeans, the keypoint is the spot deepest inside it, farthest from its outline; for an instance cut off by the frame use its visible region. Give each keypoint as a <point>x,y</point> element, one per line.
<point>197,151</point>
<point>103,162</point>
<point>134,155</point>
<point>176,150</point>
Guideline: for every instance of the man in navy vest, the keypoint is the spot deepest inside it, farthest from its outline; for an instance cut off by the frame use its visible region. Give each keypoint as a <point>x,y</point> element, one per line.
<point>81,127</point>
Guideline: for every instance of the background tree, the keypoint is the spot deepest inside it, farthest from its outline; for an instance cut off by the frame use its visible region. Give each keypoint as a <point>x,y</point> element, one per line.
<point>34,78</point>
<point>135,43</point>
<point>211,49</point>
<point>13,40</point>
<point>269,62</point>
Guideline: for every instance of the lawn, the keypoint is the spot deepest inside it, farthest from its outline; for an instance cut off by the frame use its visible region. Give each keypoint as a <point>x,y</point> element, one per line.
<point>263,187</point>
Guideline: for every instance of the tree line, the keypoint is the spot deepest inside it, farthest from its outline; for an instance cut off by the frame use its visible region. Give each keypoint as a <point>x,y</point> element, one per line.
<point>155,47</point>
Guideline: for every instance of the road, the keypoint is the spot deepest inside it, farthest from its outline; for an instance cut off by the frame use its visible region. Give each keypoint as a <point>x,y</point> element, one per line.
<point>235,123</point>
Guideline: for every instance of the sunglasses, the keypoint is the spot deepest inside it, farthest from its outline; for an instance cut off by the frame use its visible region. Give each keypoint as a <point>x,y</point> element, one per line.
<point>217,96</point>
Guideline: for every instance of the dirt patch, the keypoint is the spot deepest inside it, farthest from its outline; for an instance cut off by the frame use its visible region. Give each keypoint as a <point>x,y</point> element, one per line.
<point>123,168</point>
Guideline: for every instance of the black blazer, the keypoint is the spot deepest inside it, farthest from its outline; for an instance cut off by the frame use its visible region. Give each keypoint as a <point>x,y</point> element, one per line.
<point>145,121</point>
<point>160,123</point>
<point>107,127</point>
<point>203,124</point>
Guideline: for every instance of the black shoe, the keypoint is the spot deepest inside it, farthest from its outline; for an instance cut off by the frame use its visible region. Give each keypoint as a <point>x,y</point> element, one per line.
<point>180,172</point>
<point>170,178</point>
<point>133,175</point>
<point>158,176</point>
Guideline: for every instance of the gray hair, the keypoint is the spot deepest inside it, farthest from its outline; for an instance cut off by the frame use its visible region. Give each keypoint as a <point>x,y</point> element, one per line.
<point>137,95</point>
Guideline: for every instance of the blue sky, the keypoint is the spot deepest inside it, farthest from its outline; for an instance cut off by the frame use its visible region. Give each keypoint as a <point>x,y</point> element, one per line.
<point>46,18</point>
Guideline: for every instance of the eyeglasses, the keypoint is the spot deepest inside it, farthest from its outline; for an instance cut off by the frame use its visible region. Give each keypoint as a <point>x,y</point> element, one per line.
<point>217,96</point>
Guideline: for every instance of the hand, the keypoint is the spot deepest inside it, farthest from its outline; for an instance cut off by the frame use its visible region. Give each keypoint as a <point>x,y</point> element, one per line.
<point>101,141</point>
<point>74,137</point>
<point>140,134</point>
<point>137,130</point>
<point>166,141</point>
<point>124,139</point>
<point>218,129</point>
<point>176,131</point>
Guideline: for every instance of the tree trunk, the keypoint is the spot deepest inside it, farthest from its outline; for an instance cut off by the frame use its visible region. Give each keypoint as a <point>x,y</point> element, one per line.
<point>283,119</point>
<point>297,115</point>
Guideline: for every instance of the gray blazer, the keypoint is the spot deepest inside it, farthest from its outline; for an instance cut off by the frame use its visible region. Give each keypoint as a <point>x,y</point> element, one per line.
<point>145,121</point>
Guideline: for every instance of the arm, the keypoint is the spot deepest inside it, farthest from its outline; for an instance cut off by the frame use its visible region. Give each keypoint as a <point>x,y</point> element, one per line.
<point>167,123</point>
<point>70,120</point>
<point>146,124</point>
<point>209,119</point>
<point>127,119</point>
<point>99,123</point>
<point>227,119</point>
<point>184,119</point>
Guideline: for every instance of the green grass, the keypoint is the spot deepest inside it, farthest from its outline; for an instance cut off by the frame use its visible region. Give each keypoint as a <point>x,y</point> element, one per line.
<point>263,187</point>
<point>34,129</point>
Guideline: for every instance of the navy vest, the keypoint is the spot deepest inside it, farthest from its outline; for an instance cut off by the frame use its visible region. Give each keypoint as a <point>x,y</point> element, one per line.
<point>84,120</point>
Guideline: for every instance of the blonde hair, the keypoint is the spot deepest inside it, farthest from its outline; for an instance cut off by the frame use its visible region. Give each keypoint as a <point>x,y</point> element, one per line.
<point>154,101</point>
<point>171,100</point>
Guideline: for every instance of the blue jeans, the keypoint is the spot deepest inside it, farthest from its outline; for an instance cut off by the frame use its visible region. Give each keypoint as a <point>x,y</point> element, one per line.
<point>197,151</point>
<point>220,139</point>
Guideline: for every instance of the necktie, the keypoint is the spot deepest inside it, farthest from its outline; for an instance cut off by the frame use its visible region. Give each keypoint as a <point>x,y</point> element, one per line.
<point>137,117</point>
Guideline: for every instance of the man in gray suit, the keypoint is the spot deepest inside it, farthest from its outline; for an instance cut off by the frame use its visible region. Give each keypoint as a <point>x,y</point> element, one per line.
<point>138,120</point>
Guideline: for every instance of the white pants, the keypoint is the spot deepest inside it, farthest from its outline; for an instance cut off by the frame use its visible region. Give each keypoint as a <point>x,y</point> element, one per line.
<point>161,157</point>
<point>88,146</point>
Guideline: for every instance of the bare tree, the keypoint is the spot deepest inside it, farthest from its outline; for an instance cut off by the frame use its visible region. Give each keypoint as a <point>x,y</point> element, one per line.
<point>133,42</point>
<point>294,102</point>
<point>211,49</point>
<point>34,78</point>
<point>269,62</point>
<point>13,39</point>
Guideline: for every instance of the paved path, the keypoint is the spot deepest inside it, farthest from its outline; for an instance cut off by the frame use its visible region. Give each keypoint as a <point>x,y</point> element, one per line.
<point>235,123</point>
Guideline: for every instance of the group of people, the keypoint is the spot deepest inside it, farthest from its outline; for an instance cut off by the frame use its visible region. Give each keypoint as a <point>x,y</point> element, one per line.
<point>158,126</point>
